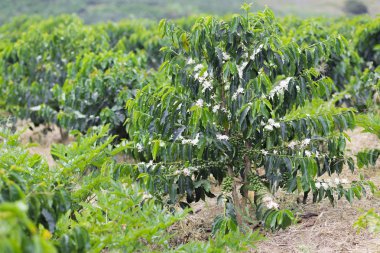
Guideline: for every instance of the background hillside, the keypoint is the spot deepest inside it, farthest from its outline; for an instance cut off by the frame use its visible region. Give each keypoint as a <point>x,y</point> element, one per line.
<point>93,11</point>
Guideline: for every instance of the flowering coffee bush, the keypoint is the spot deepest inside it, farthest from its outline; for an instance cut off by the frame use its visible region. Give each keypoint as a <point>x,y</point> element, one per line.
<point>240,99</point>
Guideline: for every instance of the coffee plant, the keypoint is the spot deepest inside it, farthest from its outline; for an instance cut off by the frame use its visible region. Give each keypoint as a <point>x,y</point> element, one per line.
<point>97,88</point>
<point>240,99</point>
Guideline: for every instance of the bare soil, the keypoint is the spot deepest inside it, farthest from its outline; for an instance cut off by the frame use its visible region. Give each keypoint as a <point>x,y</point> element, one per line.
<point>42,137</point>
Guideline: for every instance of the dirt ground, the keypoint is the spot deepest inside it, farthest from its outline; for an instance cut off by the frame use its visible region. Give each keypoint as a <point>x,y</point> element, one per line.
<point>42,138</point>
<point>329,230</point>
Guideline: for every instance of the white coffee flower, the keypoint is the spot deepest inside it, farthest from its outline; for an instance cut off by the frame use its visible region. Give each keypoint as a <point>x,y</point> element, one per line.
<point>240,90</point>
<point>317,185</point>
<point>196,140</point>
<point>256,51</point>
<point>336,181</point>
<point>199,103</point>
<point>276,125</point>
<point>147,195</point>
<point>325,186</point>
<point>190,61</point>
<point>292,144</point>
<point>198,67</point>
<point>206,86</point>
<point>222,137</point>
<point>186,172</point>
<point>215,108</point>
<point>140,147</point>
<point>226,57</point>
<point>305,142</point>
<point>272,204</point>
<point>264,152</point>
<point>307,153</point>
<point>268,127</point>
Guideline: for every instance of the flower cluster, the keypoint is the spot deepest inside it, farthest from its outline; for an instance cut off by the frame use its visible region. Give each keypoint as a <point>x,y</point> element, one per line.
<point>222,137</point>
<point>193,142</point>
<point>280,88</point>
<point>199,103</point>
<point>328,183</point>
<point>240,68</point>
<point>239,91</point>
<point>269,203</point>
<point>203,79</point>
<point>186,171</point>
<point>140,147</point>
<point>256,51</point>
<point>302,144</point>
<point>226,57</point>
<point>271,125</point>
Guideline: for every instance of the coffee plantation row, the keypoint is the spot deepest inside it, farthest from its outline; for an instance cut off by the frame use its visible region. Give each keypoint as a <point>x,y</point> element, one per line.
<point>250,102</point>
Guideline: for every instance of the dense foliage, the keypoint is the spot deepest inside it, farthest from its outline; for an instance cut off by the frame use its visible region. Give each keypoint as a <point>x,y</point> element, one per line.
<point>251,103</point>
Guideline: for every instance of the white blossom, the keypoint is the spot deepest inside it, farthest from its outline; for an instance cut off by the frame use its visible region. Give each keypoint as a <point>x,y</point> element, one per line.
<point>234,96</point>
<point>226,57</point>
<point>177,172</point>
<point>190,61</point>
<point>199,103</point>
<point>264,152</point>
<point>206,86</point>
<point>336,181</point>
<point>198,67</point>
<point>186,172</point>
<point>317,185</point>
<point>162,144</point>
<point>147,196</point>
<point>279,89</point>
<point>268,127</point>
<point>240,90</point>
<point>272,204</point>
<point>150,163</point>
<point>298,88</point>
<point>256,51</point>
<point>344,181</point>
<point>307,153</point>
<point>222,137</point>
<point>325,186</point>
<point>271,121</point>
<point>292,144</point>
<point>140,147</point>
<point>215,108</point>
<point>196,140</point>
<point>241,68</point>
<point>305,142</point>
